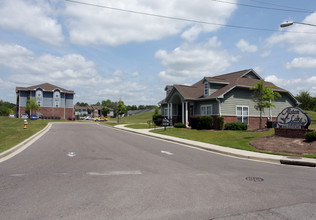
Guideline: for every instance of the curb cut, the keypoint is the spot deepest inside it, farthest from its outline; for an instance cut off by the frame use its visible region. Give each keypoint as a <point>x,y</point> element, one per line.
<point>297,161</point>
<point>24,144</point>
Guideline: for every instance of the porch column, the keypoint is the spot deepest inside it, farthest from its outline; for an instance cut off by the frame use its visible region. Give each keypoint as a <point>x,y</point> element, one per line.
<point>183,118</point>
<point>171,111</point>
<point>186,113</point>
<point>168,111</point>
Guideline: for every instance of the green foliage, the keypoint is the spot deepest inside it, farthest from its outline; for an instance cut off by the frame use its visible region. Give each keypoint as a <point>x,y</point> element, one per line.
<point>236,126</point>
<point>6,108</point>
<point>121,109</point>
<point>31,105</point>
<point>310,136</point>
<point>220,123</point>
<point>105,111</point>
<point>82,104</point>
<point>206,122</point>
<point>263,96</point>
<point>179,125</point>
<point>307,101</point>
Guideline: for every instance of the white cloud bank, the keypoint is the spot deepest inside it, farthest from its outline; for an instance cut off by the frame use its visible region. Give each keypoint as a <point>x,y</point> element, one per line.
<point>71,71</point>
<point>97,25</point>
<point>34,18</point>
<point>302,42</point>
<point>295,85</point>
<point>302,63</point>
<point>244,46</point>
<point>192,61</point>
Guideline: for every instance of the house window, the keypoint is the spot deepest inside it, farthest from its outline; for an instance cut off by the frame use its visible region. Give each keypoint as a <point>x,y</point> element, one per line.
<point>206,93</point>
<point>165,111</point>
<point>206,109</point>
<point>242,113</point>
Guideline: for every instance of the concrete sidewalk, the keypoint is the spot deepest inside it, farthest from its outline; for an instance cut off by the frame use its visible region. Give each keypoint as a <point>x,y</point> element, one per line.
<point>227,150</point>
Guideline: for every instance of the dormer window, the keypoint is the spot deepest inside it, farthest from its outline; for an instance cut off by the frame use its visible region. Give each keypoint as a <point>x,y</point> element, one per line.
<point>206,89</point>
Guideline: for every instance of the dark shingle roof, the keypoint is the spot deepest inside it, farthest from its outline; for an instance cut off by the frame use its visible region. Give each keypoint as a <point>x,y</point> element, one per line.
<point>230,81</point>
<point>45,87</point>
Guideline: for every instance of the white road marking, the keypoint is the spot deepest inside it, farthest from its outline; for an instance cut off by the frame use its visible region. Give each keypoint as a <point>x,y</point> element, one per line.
<point>115,173</point>
<point>166,152</point>
<point>19,174</point>
<point>71,154</point>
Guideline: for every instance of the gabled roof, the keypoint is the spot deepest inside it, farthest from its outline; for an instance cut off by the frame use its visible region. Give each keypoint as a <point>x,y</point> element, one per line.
<point>44,87</point>
<point>244,78</point>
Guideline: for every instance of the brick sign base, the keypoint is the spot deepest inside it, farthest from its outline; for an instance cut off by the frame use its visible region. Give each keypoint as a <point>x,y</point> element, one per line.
<point>292,133</point>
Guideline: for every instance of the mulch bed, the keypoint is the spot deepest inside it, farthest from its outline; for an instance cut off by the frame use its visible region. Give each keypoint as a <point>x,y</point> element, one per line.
<point>277,144</point>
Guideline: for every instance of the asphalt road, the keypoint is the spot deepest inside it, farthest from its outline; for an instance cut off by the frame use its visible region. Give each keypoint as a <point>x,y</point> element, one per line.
<point>89,171</point>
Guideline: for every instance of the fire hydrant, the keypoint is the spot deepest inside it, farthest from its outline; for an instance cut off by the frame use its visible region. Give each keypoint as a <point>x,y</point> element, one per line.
<point>25,123</point>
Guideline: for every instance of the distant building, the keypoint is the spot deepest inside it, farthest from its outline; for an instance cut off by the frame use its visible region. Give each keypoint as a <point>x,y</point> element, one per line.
<point>95,111</point>
<point>54,101</point>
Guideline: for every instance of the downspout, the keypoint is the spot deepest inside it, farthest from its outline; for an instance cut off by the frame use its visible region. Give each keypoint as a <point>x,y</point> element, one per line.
<point>219,107</point>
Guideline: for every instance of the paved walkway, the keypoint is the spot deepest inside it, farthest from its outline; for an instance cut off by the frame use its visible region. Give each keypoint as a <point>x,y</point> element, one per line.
<point>227,150</point>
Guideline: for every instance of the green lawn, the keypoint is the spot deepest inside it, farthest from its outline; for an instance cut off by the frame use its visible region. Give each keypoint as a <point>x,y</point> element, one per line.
<point>139,126</point>
<point>12,132</point>
<point>234,139</point>
<point>135,119</point>
<point>312,114</point>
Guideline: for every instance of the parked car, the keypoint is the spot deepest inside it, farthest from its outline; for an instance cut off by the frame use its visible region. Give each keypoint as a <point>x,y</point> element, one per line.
<point>24,115</point>
<point>11,115</point>
<point>72,118</point>
<point>100,119</point>
<point>33,117</point>
<point>88,118</point>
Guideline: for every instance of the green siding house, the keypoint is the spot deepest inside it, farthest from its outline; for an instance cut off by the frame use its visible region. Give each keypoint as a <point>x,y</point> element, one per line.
<point>226,95</point>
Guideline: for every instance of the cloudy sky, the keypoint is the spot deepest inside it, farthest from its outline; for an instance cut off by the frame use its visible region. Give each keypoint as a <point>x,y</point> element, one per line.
<point>109,49</point>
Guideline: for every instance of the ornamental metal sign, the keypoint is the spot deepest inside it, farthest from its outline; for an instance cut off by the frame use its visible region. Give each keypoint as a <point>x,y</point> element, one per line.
<point>293,117</point>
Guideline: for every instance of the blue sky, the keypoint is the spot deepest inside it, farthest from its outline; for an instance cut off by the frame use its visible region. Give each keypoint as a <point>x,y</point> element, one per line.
<point>102,53</point>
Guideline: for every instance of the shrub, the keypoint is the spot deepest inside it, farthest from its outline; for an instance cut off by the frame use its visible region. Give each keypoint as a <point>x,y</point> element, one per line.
<point>236,126</point>
<point>220,123</point>
<point>157,118</point>
<point>206,122</point>
<point>310,136</point>
<point>195,122</point>
<point>179,125</point>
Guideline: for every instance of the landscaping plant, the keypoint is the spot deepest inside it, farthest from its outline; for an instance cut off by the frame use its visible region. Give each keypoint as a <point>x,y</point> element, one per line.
<point>236,126</point>
<point>310,136</point>
<point>179,125</point>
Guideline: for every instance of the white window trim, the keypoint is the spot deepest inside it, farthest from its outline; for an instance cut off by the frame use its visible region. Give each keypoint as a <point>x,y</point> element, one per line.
<point>206,106</point>
<point>242,112</point>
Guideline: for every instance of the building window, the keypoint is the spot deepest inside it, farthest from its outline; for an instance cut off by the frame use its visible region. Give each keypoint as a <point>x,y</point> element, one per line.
<point>242,113</point>
<point>165,112</point>
<point>206,93</point>
<point>206,109</point>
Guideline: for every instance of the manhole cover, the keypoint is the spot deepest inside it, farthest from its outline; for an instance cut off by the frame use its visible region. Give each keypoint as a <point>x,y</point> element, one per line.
<point>254,179</point>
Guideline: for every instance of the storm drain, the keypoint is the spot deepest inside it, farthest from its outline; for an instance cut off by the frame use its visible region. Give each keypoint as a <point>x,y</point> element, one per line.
<point>254,179</point>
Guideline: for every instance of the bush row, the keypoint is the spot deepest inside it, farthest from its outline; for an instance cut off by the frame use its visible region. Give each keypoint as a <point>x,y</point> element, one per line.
<point>236,126</point>
<point>310,136</point>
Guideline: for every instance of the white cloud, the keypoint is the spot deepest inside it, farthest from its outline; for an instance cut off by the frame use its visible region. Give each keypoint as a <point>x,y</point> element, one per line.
<point>192,61</point>
<point>95,25</point>
<point>32,17</point>
<point>295,85</point>
<point>303,42</point>
<point>244,46</point>
<point>301,63</point>
<point>71,71</point>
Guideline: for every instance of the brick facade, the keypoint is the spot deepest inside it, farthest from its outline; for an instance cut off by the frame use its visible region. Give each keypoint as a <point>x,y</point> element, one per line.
<point>52,112</point>
<point>292,133</point>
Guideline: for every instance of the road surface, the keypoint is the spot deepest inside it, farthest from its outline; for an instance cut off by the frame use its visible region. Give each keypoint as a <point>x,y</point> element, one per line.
<point>89,171</point>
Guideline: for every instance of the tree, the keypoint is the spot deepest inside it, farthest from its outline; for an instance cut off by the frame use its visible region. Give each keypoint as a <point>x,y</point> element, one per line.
<point>263,96</point>
<point>31,105</point>
<point>105,111</point>
<point>121,109</point>
<point>306,100</point>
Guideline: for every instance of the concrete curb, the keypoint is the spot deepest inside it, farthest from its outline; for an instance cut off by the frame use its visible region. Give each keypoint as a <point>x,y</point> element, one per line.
<point>24,144</point>
<point>298,161</point>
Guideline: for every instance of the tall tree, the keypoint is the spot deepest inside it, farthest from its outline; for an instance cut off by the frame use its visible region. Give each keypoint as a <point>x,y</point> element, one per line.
<point>121,109</point>
<point>306,100</point>
<point>105,111</point>
<point>31,105</point>
<point>263,96</point>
